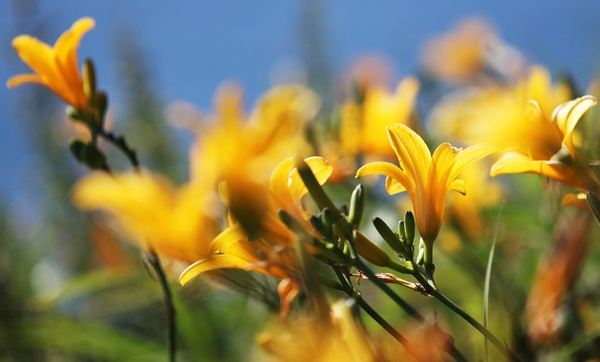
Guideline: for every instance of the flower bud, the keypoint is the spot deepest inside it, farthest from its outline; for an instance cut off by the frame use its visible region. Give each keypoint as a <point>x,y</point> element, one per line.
<point>409,228</point>
<point>89,81</point>
<point>357,206</point>
<point>89,154</point>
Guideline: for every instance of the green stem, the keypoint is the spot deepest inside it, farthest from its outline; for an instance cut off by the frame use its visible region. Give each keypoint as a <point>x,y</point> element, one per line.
<point>152,259</point>
<point>349,289</point>
<point>382,322</point>
<point>467,317</point>
<point>121,144</point>
<point>412,312</point>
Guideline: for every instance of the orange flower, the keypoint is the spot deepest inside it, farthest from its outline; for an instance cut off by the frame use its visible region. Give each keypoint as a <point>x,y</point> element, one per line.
<point>55,68</point>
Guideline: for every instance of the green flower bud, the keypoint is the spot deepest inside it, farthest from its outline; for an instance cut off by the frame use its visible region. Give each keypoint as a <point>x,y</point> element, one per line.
<point>409,228</point>
<point>89,154</point>
<point>357,206</point>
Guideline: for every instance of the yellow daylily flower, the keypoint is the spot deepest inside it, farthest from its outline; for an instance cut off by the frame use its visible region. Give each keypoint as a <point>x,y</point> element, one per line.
<point>547,147</point>
<point>426,178</point>
<point>173,221</point>
<point>272,251</point>
<point>55,67</point>
<point>363,127</point>
<point>492,113</point>
<point>242,150</point>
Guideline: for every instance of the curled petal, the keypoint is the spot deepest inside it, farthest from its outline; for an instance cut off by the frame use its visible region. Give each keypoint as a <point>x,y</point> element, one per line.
<point>224,261</point>
<point>579,201</point>
<point>458,185</point>
<point>393,186</point>
<point>568,114</point>
<point>389,170</point>
<point>17,80</point>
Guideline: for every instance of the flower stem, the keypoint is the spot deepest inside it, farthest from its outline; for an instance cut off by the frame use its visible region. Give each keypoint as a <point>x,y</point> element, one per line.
<point>152,259</point>
<point>121,144</point>
<point>434,292</point>
<point>382,322</point>
<point>349,289</point>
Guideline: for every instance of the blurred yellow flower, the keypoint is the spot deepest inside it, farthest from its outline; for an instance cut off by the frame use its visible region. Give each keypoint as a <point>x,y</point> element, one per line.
<point>459,55</point>
<point>483,193</point>
<point>492,113</point>
<point>55,68</point>
<point>271,252</point>
<point>363,127</point>
<point>427,179</point>
<point>241,150</point>
<point>172,221</point>
<point>547,147</point>
<point>308,339</point>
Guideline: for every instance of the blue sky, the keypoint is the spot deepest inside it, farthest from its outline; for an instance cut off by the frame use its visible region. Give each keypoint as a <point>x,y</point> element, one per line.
<point>196,45</point>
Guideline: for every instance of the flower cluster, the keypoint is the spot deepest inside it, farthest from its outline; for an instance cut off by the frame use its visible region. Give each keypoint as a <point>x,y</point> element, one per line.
<point>252,204</point>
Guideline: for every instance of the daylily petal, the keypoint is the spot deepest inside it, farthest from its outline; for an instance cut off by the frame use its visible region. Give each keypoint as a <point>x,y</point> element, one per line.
<point>470,155</point>
<point>36,54</point>
<point>514,162</point>
<point>65,49</point>
<point>223,261</point>
<point>320,168</point>
<point>225,239</point>
<point>280,177</point>
<point>389,170</point>
<point>442,164</point>
<point>17,80</point>
<point>458,185</point>
<point>413,154</point>
<point>579,201</point>
<point>568,114</point>
<point>393,186</point>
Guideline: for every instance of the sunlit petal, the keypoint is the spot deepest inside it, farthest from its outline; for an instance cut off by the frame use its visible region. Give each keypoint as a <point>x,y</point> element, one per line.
<point>223,261</point>
<point>320,168</point>
<point>386,169</point>
<point>56,67</point>
<point>413,154</point>
<point>568,114</point>
<point>514,162</point>
<point>458,185</point>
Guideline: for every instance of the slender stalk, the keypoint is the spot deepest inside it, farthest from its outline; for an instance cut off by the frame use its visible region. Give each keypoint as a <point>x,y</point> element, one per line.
<point>382,322</point>
<point>121,144</point>
<point>412,312</point>
<point>152,259</point>
<point>466,316</point>
<point>349,289</point>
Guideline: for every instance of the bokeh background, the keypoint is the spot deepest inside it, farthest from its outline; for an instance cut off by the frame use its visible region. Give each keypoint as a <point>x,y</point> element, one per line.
<point>63,276</point>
